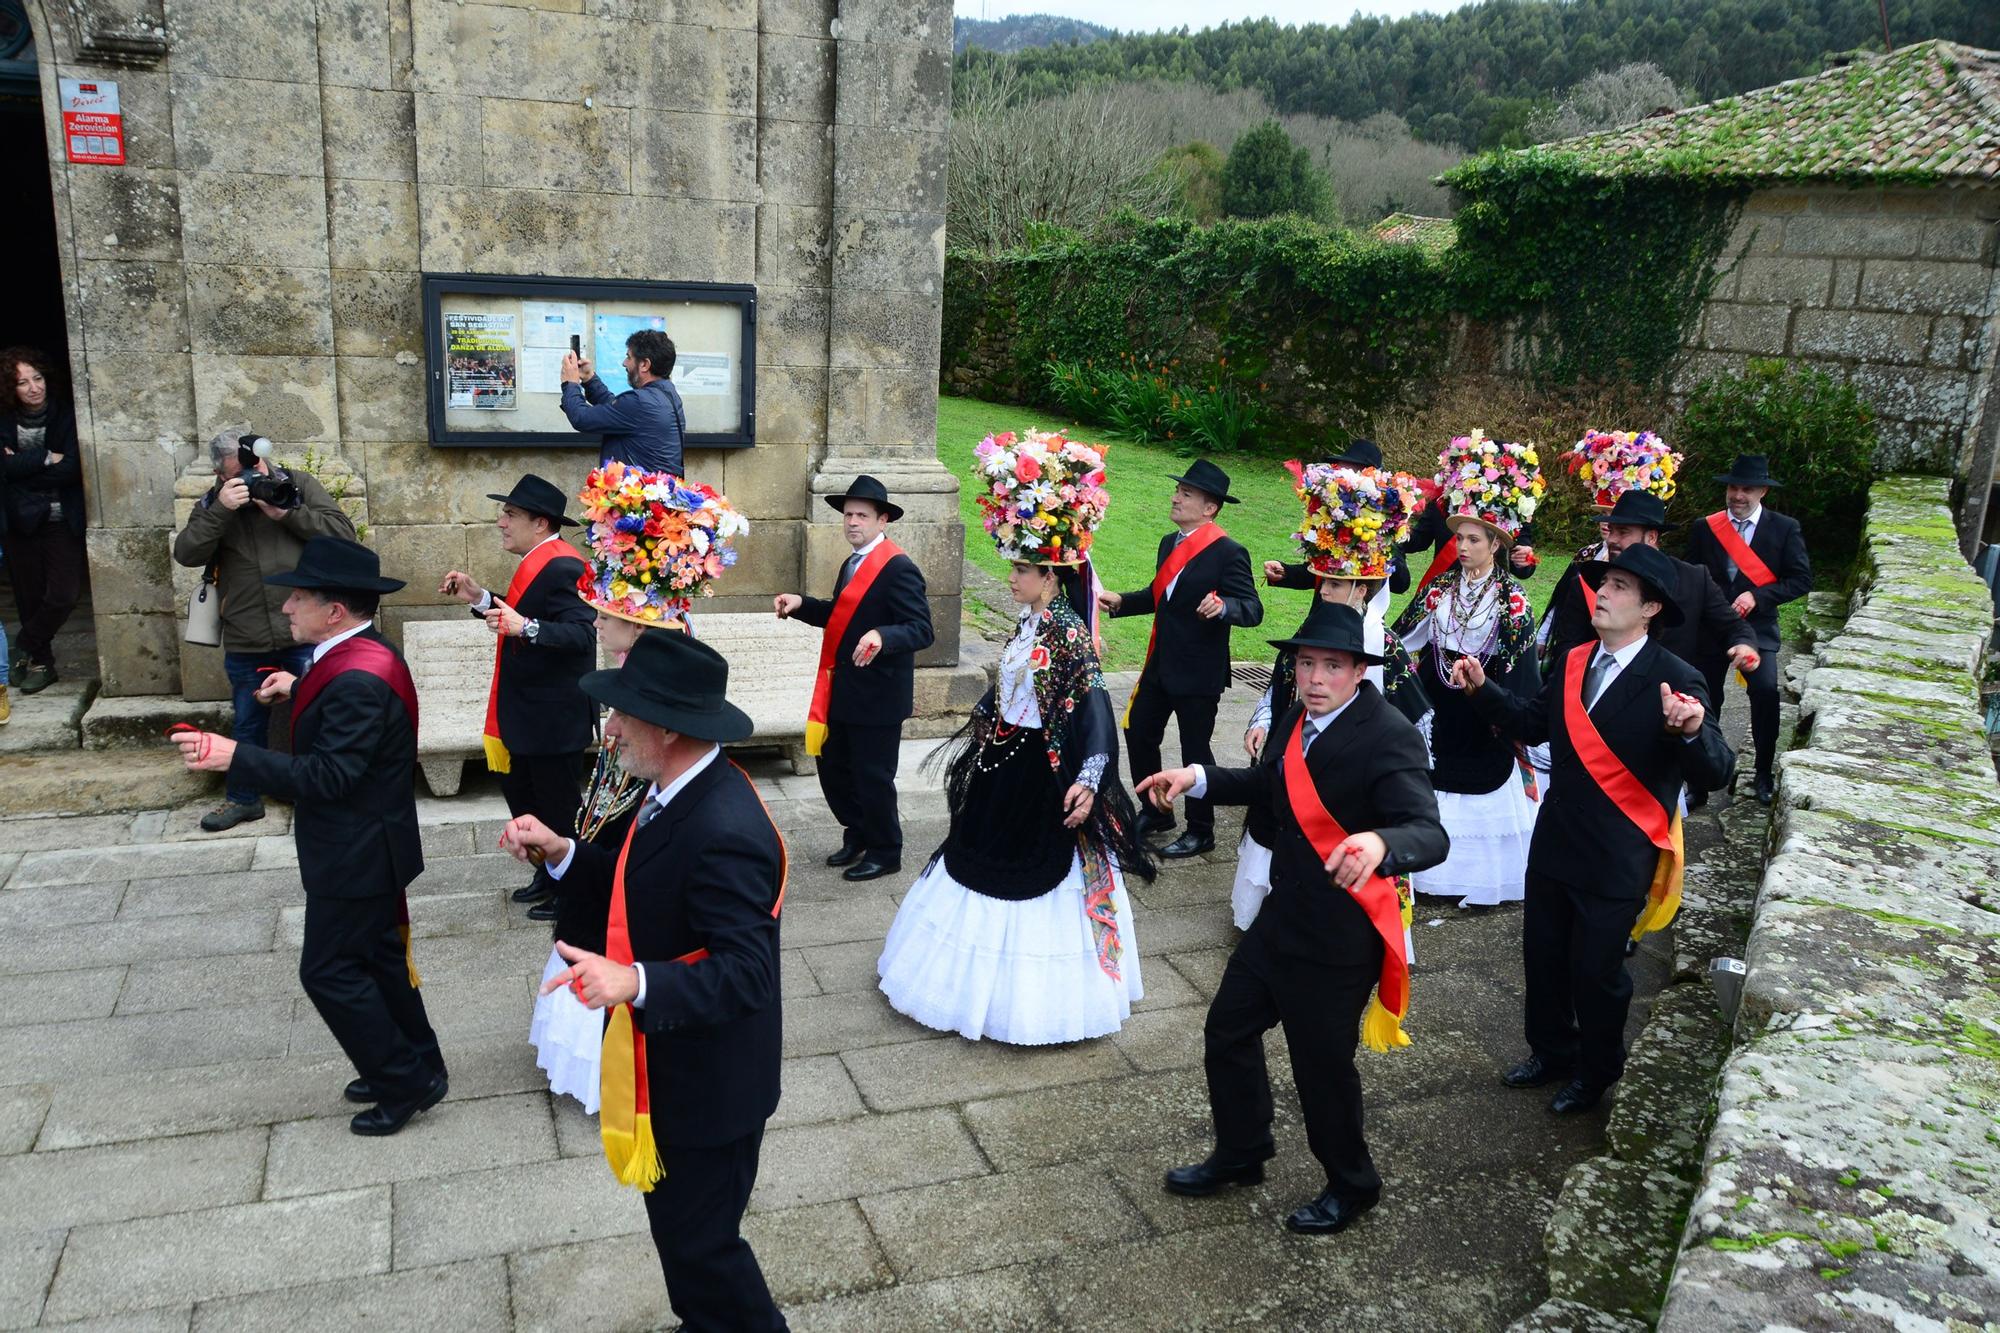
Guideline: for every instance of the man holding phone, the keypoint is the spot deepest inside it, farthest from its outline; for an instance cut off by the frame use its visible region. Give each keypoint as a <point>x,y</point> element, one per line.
<point>642,427</point>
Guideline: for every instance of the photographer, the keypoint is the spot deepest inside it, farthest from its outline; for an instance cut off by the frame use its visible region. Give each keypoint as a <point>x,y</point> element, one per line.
<point>253,522</point>
<point>642,427</point>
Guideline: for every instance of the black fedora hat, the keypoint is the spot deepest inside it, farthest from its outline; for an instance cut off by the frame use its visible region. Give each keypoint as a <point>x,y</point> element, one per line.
<point>538,497</point>
<point>1750,470</point>
<point>874,492</point>
<point>1332,626</point>
<point>673,681</point>
<point>336,564</point>
<point>1358,453</point>
<point>1206,477</point>
<point>1637,509</point>
<point>1653,568</point>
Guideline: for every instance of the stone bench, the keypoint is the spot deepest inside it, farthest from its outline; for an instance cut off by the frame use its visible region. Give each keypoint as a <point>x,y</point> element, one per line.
<point>771,667</point>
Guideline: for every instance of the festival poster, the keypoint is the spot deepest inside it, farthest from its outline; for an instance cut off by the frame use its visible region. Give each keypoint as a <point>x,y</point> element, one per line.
<point>480,352</point>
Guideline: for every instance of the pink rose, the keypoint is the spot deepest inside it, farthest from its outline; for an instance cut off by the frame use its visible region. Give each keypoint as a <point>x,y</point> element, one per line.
<point>1027,469</point>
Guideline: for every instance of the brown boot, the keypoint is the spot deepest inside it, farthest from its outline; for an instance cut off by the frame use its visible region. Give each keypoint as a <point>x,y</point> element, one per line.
<point>6,707</point>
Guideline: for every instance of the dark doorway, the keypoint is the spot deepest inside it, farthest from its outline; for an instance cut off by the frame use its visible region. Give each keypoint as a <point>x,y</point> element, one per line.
<point>33,314</point>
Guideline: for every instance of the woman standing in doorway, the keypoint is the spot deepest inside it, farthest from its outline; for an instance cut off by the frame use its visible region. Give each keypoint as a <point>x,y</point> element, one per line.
<point>43,471</point>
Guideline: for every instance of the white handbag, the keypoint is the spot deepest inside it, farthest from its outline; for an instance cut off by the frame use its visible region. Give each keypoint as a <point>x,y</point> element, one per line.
<point>204,618</point>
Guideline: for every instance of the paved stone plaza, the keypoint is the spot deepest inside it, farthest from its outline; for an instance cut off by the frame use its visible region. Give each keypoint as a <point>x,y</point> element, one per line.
<point>176,1151</point>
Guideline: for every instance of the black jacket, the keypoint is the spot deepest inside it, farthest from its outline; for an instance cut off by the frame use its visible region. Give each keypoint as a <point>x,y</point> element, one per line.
<point>1581,836</point>
<point>351,778</point>
<point>1370,770</point>
<point>1707,616</point>
<point>705,873</point>
<point>1778,542</point>
<point>1191,655</point>
<point>542,711</point>
<point>881,693</point>
<point>29,484</point>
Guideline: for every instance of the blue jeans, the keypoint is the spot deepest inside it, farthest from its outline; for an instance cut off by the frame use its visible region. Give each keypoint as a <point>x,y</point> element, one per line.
<point>253,720</point>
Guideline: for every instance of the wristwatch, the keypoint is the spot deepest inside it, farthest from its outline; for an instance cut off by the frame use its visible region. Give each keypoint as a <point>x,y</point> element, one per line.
<point>531,630</point>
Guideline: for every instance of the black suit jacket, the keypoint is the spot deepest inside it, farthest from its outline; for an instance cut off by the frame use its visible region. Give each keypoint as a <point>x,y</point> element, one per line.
<point>881,693</point>
<point>1191,655</point>
<point>1780,543</point>
<point>1707,616</point>
<point>703,874</point>
<point>542,711</point>
<point>351,779</point>
<point>1371,771</point>
<point>1581,836</point>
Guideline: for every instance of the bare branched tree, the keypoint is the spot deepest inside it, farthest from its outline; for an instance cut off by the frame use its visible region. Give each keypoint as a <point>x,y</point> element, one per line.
<point>1607,100</point>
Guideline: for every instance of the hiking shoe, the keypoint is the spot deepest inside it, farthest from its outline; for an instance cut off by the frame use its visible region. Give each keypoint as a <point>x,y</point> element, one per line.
<point>231,813</point>
<point>6,707</point>
<point>36,678</point>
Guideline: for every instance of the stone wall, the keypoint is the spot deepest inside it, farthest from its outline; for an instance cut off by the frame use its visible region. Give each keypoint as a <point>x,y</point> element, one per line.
<point>295,165</point>
<point>1851,1179</point>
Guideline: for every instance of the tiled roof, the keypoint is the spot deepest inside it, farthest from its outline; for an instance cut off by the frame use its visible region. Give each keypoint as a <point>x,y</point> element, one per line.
<point>1928,112</point>
<point>1433,234</point>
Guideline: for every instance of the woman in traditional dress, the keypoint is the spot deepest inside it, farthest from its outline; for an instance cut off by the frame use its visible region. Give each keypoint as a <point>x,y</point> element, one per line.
<point>1019,929</point>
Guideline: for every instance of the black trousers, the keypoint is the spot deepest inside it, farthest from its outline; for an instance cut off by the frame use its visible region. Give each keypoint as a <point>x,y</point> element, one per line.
<point>1573,952</point>
<point>1762,685</point>
<point>547,786</point>
<point>1147,727</point>
<point>355,971</point>
<point>1320,1005</point>
<point>857,774</point>
<point>46,567</point>
<point>696,1215</point>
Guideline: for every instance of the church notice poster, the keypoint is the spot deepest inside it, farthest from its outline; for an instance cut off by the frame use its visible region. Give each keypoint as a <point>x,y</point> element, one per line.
<point>480,353</point>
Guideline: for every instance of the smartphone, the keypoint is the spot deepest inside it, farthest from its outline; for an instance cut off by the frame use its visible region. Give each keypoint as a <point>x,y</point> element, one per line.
<point>576,345</point>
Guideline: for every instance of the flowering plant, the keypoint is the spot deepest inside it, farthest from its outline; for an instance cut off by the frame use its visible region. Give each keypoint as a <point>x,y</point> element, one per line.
<point>657,542</point>
<point>1044,496</point>
<point>1354,518</point>
<point>1611,462</point>
<point>1493,481</point>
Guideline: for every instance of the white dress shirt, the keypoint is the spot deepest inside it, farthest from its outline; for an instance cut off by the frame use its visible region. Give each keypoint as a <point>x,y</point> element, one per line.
<point>322,649</point>
<point>855,557</point>
<point>1748,527</point>
<point>485,602</point>
<point>1620,659</point>
<point>1315,724</point>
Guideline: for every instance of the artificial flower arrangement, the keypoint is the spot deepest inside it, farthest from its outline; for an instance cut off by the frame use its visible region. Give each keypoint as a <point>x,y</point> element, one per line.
<point>657,542</point>
<point>1354,518</point>
<point>1611,462</point>
<point>1494,481</point>
<point>1044,496</point>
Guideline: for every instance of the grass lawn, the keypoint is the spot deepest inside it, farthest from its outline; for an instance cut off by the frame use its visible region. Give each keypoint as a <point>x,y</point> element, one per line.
<point>1141,487</point>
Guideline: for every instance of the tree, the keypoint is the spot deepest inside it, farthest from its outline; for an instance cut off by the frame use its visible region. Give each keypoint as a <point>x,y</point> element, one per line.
<point>1267,174</point>
<point>1196,171</point>
<point>1622,96</point>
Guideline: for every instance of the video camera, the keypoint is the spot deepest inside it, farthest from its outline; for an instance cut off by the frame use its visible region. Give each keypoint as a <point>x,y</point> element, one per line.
<point>276,489</point>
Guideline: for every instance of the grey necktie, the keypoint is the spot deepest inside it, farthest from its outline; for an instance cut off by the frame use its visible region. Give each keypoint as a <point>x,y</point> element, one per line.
<point>1743,531</point>
<point>649,811</point>
<point>847,569</point>
<point>1307,735</point>
<point>1593,678</point>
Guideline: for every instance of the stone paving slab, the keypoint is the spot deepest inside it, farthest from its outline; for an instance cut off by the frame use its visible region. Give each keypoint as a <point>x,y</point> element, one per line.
<point>92,1047</point>
<point>97,865</point>
<point>59,996</point>
<point>22,1111</point>
<point>194,895</point>
<point>145,1179</point>
<point>319,1156</point>
<point>104,944</point>
<point>27,1262</point>
<point>453,1298</point>
<point>848,1158</point>
<point>475,1214</point>
<point>991,1221</point>
<point>1000,1299</point>
<point>64,905</point>
<point>938,1072</point>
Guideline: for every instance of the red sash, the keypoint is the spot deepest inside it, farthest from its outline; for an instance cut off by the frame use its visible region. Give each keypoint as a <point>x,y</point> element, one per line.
<point>1589,595</point>
<point>625,1099</point>
<point>497,759</point>
<point>1190,546</point>
<point>844,607</point>
<point>380,661</point>
<point>1748,563</point>
<point>1634,801</point>
<point>1447,556</point>
<point>1382,1027</point>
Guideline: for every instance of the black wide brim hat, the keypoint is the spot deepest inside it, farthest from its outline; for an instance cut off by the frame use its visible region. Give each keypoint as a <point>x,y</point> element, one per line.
<point>1655,571</point>
<point>1209,479</point>
<point>673,681</point>
<point>335,564</point>
<point>1750,470</point>
<point>1334,627</point>
<point>1358,453</point>
<point>871,490</point>
<point>1637,509</point>
<point>538,497</point>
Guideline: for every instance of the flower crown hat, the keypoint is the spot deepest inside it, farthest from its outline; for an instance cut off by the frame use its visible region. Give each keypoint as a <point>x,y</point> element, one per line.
<point>1354,518</point>
<point>1044,496</point>
<point>1495,484</point>
<point>1611,462</point>
<point>656,542</point>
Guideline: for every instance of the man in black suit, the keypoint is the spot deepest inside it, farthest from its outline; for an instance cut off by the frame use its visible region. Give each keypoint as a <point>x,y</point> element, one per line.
<point>701,880</point>
<point>865,688</point>
<point>1778,572</point>
<point>1313,955</point>
<point>351,778</point>
<point>1202,587</point>
<point>1630,712</point>
<point>538,722</point>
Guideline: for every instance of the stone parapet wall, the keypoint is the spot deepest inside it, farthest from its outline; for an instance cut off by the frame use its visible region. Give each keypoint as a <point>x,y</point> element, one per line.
<point>1852,1180</point>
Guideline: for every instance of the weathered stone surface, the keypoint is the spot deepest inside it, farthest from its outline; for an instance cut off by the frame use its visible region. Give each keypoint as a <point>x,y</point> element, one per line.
<point>555,146</point>
<point>132,212</point>
<point>259,311</point>
<point>86,1185</point>
<point>292,397</point>
<point>1562,1316</point>
<point>255,126</point>
<point>370,134</point>
<point>1660,1118</point>
<point>1611,1240</point>
<point>465,1298</point>
<point>372,224</point>
<point>972,1224</point>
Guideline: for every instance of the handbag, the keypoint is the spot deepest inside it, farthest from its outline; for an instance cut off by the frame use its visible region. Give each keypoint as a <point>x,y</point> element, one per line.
<point>204,617</point>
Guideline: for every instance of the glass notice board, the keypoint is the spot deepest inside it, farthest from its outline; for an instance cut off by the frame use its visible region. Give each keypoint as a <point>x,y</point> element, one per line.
<point>496,344</point>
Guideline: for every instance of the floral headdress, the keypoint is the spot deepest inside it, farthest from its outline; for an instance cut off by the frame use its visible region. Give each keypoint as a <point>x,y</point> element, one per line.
<point>1044,496</point>
<point>657,542</point>
<point>1354,518</point>
<point>1498,483</point>
<point>1611,462</point>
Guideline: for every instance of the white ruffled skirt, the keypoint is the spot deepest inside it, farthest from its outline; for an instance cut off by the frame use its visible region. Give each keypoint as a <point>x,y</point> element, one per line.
<point>1490,833</point>
<point>568,1037</point>
<point>1021,972</point>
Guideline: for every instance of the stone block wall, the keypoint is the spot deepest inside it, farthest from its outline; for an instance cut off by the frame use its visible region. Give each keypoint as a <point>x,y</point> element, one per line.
<point>1895,291</point>
<point>295,165</point>
<point>1851,1180</point>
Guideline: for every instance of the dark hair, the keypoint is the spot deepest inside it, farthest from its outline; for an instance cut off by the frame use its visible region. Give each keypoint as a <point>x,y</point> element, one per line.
<point>361,605</point>
<point>655,348</point>
<point>11,360</point>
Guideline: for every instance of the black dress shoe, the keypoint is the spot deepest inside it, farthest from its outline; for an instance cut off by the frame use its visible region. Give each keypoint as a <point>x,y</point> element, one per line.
<point>545,910</point>
<point>1576,1096</point>
<point>1329,1213</point>
<point>1189,844</point>
<point>1697,799</point>
<point>1151,821</point>
<point>1766,788</point>
<point>388,1117</point>
<point>535,892</point>
<point>361,1091</point>
<point>1533,1072</point>
<point>872,866</point>
<point>850,852</point>
<point>1210,1177</point>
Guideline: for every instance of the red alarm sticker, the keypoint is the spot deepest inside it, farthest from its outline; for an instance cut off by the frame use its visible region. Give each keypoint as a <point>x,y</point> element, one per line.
<point>93,128</point>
